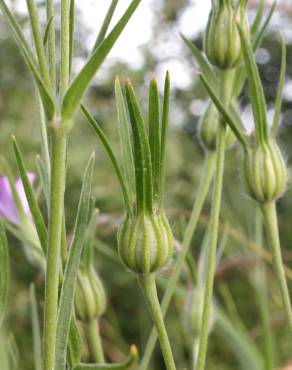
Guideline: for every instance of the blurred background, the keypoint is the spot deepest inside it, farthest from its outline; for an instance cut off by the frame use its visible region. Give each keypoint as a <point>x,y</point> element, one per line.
<point>150,46</point>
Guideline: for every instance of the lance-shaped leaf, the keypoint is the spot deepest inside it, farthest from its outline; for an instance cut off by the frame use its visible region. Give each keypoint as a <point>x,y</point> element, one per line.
<point>257,40</point>
<point>47,31</point>
<point>80,84</point>
<point>47,100</point>
<point>204,65</point>
<point>142,155</point>
<point>33,205</point>
<point>4,271</point>
<point>70,275</point>
<point>71,32</point>
<point>38,41</point>
<point>105,25</point>
<point>154,136</point>
<point>258,100</point>
<point>279,99</point>
<point>258,18</point>
<point>87,256</point>
<point>108,148</point>
<point>125,139</point>
<point>132,360</point>
<point>164,127</point>
<point>237,129</point>
<point>75,344</point>
<point>36,333</point>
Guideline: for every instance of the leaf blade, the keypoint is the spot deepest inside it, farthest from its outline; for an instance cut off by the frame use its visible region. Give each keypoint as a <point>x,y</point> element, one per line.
<point>33,205</point>
<point>70,275</point>
<point>81,82</point>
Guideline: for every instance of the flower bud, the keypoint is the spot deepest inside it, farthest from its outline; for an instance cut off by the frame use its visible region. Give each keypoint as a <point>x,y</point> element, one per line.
<point>222,41</point>
<point>208,129</point>
<point>265,172</point>
<point>90,300</point>
<point>145,243</point>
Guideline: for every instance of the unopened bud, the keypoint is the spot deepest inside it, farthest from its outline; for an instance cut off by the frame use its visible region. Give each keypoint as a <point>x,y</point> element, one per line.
<point>265,173</point>
<point>90,300</point>
<point>222,41</point>
<point>145,243</point>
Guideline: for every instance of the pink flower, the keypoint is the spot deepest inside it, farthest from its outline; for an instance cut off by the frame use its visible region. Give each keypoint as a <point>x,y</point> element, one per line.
<point>8,209</point>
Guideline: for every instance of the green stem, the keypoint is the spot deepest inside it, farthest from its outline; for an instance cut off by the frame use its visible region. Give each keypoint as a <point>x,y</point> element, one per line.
<point>225,94</point>
<point>54,244</point>
<point>52,44</point>
<point>148,286</point>
<point>271,223</point>
<point>94,341</point>
<point>211,263</point>
<point>262,297</point>
<point>207,175</point>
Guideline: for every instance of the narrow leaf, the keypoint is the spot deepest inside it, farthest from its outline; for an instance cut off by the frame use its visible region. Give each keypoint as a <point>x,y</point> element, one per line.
<point>204,65</point>
<point>143,167</point>
<point>154,136</point>
<point>164,127</point>
<point>125,139</point>
<point>36,333</point>
<point>70,275</point>
<point>80,84</point>
<point>44,180</point>
<point>33,205</point>
<point>47,100</point>
<point>75,344</point>
<point>4,271</point>
<point>106,23</point>
<point>87,257</point>
<point>259,37</point>
<point>47,31</point>
<point>71,32</point>
<point>132,360</point>
<point>110,153</point>
<point>238,132</point>
<point>38,41</point>
<point>279,99</point>
<point>258,100</point>
<point>259,17</point>
<point>13,352</point>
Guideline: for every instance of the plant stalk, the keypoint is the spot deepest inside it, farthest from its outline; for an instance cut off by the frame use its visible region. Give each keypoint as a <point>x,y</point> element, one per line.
<point>225,94</point>
<point>94,341</point>
<point>271,224</point>
<point>57,190</point>
<point>203,190</point>
<point>148,287</point>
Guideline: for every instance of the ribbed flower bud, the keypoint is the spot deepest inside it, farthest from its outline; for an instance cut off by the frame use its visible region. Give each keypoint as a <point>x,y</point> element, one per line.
<point>265,172</point>
<point>208,129</point>
<point>90,300</point>
<point>222,41</point>
<point>145,243</point>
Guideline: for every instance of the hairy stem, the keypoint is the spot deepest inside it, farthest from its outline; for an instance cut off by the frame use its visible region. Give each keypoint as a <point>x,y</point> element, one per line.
<point>225,93</point>
<point>57,190</point>
<point>271,224</point>
<point>50,5</point>
<point>65,46</point>
<point>148,286</point>
<point>94,341</point>
<point>203,190</point>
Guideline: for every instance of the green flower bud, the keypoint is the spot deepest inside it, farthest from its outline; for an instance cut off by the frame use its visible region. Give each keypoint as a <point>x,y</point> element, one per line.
<point>90,300</point>
<point>145,243</point>
<point>265,172</point>
<point>208,129</point>
<point>222,41</point>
